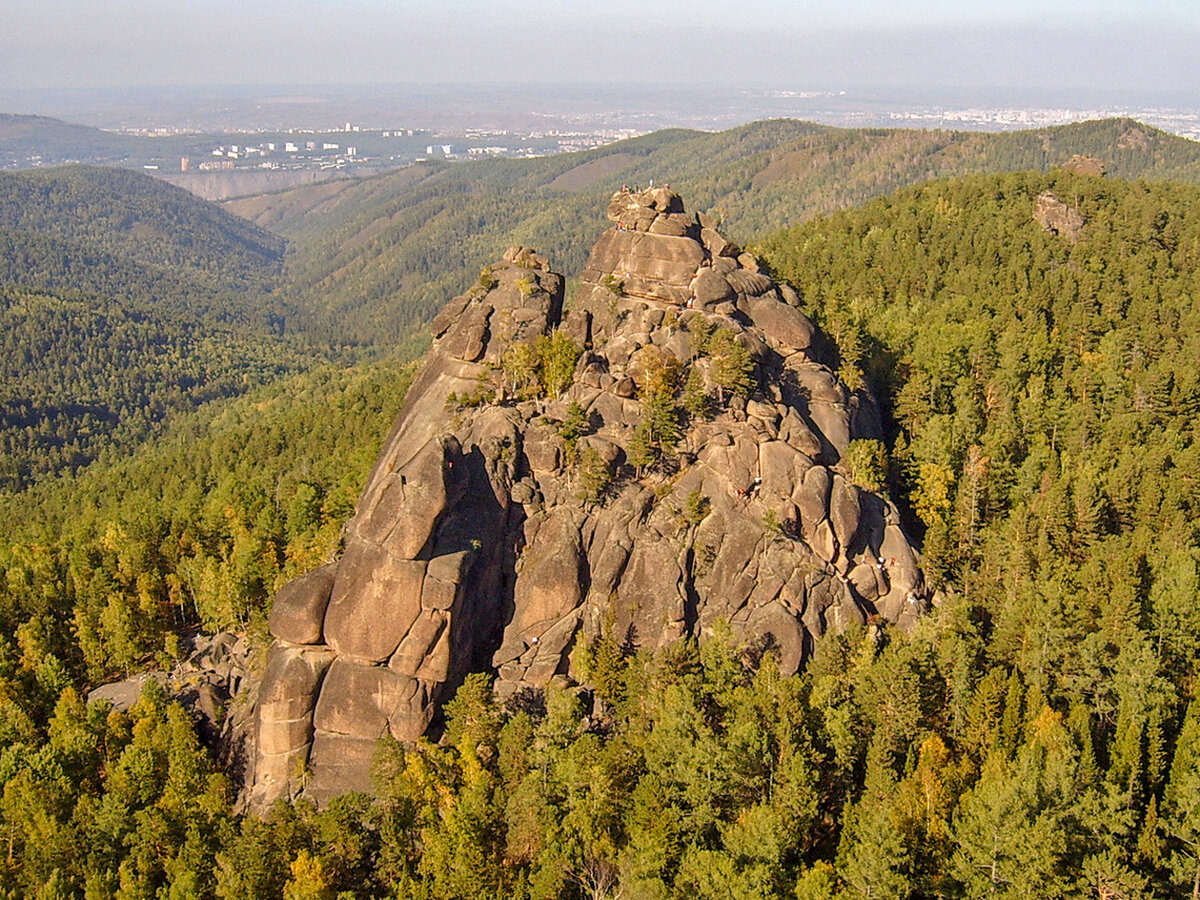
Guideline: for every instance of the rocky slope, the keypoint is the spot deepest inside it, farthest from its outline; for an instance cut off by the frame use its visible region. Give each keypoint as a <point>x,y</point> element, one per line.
<point>514,515</point>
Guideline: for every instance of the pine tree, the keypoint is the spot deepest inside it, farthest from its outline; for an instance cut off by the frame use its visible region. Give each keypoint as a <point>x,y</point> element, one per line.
<point>872,859</point>
<point>732,366</point>
<point>1180,814</point>
<point>695,394</point>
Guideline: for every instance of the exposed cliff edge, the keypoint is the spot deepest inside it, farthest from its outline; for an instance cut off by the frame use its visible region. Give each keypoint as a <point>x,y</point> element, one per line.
<point>516,511</point>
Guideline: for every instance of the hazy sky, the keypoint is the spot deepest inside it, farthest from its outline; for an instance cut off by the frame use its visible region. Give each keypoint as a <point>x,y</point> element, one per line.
<point>1143,45</point>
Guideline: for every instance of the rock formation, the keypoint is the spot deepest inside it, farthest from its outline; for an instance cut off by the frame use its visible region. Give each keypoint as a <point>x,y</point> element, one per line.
<point>1082,164</point>
<point>1057,217</point>
<point>510,519</point>
<point>212,680</point>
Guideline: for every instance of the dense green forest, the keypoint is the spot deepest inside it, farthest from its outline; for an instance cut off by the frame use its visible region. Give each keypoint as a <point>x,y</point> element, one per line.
<point>1036,735</point>
<point>196,528</point>
<point>113,217</point>
<point>371,258</point>
<point>105,570</point>
<point>124,300</point>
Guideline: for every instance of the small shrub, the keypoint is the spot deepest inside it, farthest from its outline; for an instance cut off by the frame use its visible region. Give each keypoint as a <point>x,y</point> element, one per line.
<point>771,522</point>
<point>573,427</point>
<point>544,368</point>
<point>733,368</point>
<point>519,371</point>
<point>695,395</point>
<point>640,449</point>
<point>695,508</point>
<point>557,357</point>
<point>700,328</point>
<point>483,394</point>
<point>615,285</point>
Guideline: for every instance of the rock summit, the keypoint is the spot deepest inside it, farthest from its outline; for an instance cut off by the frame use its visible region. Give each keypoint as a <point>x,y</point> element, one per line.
<point>667,456</point>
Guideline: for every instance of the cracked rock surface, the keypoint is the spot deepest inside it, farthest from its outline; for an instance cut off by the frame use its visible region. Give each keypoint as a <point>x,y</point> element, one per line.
<point>473,547</point>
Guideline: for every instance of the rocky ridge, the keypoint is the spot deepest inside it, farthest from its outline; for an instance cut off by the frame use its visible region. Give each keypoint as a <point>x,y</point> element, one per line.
<point>511,518</point>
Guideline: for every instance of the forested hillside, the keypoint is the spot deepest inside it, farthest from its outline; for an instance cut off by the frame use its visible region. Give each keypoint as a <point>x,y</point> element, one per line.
<point>1036,735</point>
<point>1043,395</point>
<point>123,299</point>
<point>194,529</point>
<point>117,215</point>
<point>103,573</point>
<point>55,141</point>
<point>372,258</point>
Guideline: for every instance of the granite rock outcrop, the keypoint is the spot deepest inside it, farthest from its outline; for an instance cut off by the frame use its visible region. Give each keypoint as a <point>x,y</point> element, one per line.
<point>505,527</point>
<point>1058,217</point>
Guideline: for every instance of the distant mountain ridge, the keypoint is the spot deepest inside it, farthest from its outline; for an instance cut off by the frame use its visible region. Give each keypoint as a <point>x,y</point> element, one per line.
<point>56,141</point>
<point>373,258</point>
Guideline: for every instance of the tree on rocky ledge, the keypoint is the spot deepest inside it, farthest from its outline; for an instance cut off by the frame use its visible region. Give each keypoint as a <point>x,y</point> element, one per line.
<point>732,366</point>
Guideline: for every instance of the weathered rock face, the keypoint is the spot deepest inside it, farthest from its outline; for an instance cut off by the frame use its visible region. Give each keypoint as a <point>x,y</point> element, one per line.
<point>473,548</point>
<point>1057,217</point>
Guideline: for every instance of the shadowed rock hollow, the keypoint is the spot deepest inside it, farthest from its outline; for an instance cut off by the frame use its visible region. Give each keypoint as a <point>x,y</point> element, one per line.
<point>511,518</point>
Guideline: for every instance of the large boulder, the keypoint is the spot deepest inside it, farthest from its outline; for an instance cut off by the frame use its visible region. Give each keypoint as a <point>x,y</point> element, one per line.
<point>284,729</point>
<point>298,608</point>
<point>785,328</point>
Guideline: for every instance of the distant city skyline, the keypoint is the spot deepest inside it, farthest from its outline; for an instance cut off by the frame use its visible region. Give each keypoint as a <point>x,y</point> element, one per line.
<point>1019,45</point>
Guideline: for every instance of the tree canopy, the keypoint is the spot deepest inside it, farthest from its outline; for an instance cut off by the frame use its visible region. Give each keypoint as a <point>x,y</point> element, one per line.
<point>1037,733</point>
